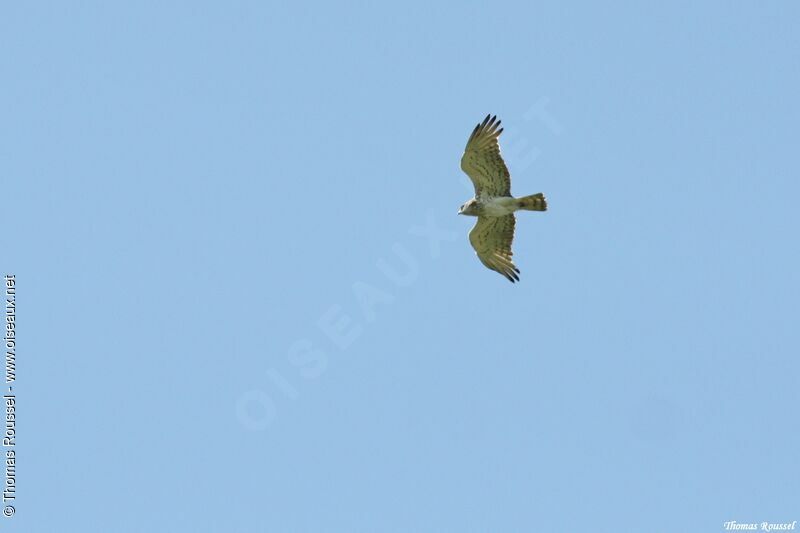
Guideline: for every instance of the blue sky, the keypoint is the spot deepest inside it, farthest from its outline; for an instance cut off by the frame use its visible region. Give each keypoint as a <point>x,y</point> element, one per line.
<point>245,301</point>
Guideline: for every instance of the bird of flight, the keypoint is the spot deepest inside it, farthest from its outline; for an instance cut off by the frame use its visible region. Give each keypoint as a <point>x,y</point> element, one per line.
<point>493,204</point>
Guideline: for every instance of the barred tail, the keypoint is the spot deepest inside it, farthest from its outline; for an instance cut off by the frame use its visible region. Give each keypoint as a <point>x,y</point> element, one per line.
<point>534,202</point>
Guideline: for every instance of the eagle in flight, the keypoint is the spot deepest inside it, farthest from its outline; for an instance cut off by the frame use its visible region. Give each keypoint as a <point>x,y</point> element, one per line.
<point>493,204</point>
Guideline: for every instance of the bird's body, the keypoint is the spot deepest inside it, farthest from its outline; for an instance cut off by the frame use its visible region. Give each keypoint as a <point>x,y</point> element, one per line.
<point>490,206</point>
<point>498,206</point>
<point>493,204</point>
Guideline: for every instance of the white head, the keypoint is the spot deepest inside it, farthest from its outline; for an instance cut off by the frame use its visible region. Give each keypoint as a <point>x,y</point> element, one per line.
<point>470,208</point>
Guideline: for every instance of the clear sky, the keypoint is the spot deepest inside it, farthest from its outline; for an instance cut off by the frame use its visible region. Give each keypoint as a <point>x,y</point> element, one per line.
<point>245,302</point>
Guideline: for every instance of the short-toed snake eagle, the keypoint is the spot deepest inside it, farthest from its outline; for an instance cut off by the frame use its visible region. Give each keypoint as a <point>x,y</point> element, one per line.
<point>493,204</point>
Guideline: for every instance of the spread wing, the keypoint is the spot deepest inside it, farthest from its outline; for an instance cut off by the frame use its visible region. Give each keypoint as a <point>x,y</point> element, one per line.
<point>491,237</point>
<point>482,161</point>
